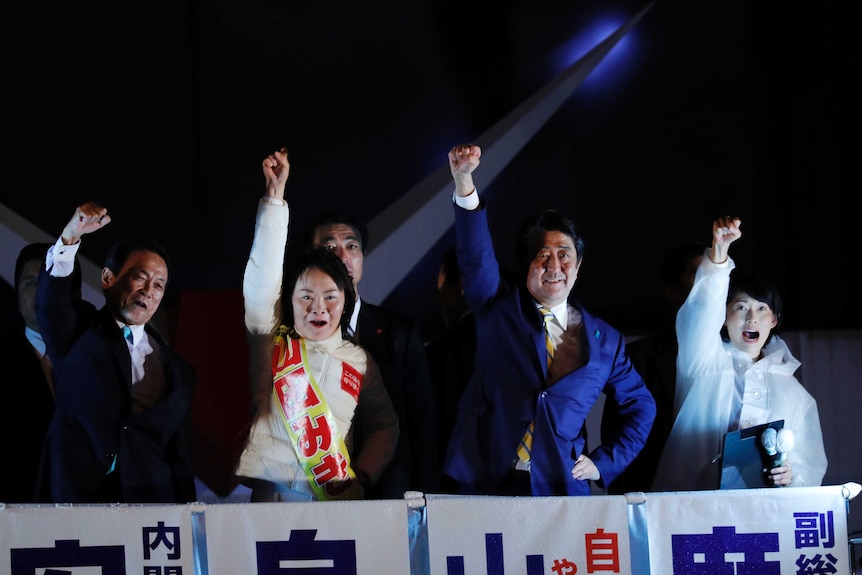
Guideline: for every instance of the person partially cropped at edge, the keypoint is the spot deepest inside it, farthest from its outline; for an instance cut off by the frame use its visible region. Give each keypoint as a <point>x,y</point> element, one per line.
<point>308,379</point>
<point>514,389</point>
<point>734,372</point>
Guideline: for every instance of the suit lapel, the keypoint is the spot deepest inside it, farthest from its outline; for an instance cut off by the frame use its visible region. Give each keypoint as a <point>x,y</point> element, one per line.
<point>117,345</point>
<point>536,328</point>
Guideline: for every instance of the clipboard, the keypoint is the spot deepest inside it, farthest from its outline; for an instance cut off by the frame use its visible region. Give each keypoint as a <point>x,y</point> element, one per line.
<point>744,459</point>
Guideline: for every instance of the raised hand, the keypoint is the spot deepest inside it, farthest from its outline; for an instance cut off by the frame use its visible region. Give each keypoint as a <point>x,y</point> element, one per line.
<point>725,231</point>
<point>276,169</point>
<point>463,160</point>
<point>88,218</point>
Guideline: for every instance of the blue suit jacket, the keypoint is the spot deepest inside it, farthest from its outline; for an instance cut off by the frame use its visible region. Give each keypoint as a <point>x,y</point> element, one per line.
<point>93,422</point>
<point>507,391</point>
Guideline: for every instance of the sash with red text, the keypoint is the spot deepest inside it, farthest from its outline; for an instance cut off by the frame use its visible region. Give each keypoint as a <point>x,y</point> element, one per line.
<point>310,424</point>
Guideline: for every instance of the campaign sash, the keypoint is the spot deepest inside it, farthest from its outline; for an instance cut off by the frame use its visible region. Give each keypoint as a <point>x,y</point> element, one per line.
<point>310,424</point>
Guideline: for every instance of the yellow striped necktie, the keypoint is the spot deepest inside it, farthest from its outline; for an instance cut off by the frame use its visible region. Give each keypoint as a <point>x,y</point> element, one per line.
<point>526,445</point>
<point>548,316</point>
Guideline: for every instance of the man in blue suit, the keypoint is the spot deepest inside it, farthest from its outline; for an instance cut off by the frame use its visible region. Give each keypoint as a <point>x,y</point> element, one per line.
<point>521,426</point>
<point>121,431</point>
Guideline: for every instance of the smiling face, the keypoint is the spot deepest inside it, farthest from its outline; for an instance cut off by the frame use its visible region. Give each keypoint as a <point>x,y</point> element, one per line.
<point>749,323</point>
<point>552,272</point>
<point>134,294</point>
<point>345,242</point>
<point>318,305</point>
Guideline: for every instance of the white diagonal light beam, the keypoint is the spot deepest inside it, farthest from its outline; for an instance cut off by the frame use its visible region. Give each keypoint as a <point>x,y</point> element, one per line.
<point>415,222</point>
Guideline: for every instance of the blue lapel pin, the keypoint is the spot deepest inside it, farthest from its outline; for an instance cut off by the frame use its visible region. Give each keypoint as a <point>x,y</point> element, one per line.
<point>597,334</point>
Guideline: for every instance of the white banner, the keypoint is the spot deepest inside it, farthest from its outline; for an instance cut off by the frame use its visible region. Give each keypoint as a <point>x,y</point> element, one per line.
<point>96,540</point>
<point>337,537</point>
<point>532,535</point>
<point>770,531</point>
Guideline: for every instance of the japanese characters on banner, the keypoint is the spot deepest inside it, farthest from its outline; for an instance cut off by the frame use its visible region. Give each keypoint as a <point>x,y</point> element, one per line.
<point>532,535</point>
<point>96,540</point>
<point>787,531</point>
<point>338,537</point>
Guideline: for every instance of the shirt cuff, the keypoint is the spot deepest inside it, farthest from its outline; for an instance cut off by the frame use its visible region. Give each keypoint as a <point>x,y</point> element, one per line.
<point>60,259</point>
<point>468,202</point>
<point>273,201</point>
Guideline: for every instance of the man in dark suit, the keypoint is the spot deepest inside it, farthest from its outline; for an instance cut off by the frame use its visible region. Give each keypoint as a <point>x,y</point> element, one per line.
<point>450,353</point>
<point>396,344</point>
<point>542,361</point>
<point>654,357</point>
<point>121,430</point>
<point>28,386</point>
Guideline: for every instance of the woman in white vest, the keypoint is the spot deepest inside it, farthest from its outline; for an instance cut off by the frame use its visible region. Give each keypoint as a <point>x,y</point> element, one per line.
<point>308,380</point>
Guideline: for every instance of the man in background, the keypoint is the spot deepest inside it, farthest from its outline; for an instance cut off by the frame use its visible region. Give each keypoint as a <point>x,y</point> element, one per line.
<point>451,353</point>
<point>654,357</point>
<point>396,344</point>
<point>28,387</point>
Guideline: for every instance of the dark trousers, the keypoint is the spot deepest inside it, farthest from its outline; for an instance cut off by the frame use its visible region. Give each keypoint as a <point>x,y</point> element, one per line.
<point>516,482</point>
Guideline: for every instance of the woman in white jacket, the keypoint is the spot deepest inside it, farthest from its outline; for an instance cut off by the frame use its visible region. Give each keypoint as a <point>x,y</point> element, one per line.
<point>733,372</point>
<point>309,381</point>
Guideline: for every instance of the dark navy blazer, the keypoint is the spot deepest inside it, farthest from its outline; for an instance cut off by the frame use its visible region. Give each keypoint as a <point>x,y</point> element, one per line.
<point>93,423</point>
<point>395,343</point>
<point>507,391</point>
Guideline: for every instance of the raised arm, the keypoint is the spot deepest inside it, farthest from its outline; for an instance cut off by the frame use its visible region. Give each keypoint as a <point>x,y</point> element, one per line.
<point>59,309</point>
<point>463,159</point>
<point>701,316</point>
<point>88,218</point>
<point>725,231</point>
<point>261,287</point>
<point>264,271</point>
<point>276,169</point>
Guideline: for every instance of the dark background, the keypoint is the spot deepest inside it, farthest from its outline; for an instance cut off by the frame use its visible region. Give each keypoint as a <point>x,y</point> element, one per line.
<point>163,112</point>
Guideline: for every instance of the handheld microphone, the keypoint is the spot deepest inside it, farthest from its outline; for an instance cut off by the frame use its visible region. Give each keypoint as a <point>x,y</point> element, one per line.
<point>784,443</point>
<point>776,444</point>
<point>769,440</point>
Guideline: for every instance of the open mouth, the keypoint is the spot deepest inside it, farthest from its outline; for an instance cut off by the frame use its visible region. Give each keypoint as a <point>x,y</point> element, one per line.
<point>750,336</point>
<point>318,323</point>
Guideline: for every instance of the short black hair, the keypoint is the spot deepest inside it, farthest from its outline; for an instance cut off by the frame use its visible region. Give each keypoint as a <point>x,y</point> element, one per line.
<point>330,264</point>
<point>759,288</point>
<point>532,233</point>
<point>30,252</point>
<point>336,217</point>
<point>120,251</point>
